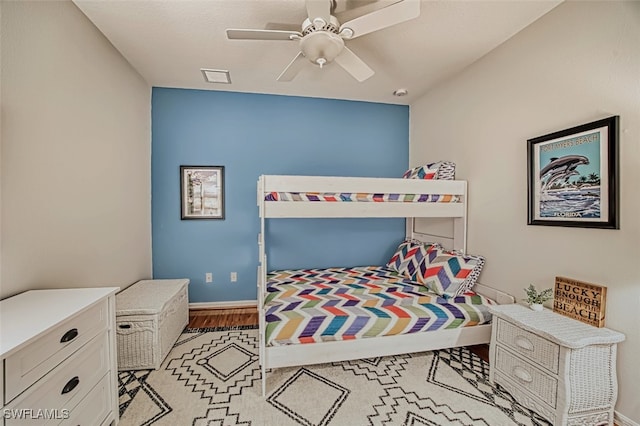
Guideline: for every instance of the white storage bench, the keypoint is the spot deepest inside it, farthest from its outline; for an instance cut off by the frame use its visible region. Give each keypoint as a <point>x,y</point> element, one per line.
<point>150,315</point>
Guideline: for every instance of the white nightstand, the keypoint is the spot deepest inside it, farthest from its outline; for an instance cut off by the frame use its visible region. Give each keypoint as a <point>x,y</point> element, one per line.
<point>563,369</point>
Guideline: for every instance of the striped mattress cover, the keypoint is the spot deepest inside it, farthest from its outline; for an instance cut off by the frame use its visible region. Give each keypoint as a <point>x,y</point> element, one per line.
<point>360,197</point>
<point>314,305</point>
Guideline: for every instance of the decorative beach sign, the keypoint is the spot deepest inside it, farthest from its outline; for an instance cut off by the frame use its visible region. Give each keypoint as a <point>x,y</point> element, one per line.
<point>573,176</point>
<point>579,300</point>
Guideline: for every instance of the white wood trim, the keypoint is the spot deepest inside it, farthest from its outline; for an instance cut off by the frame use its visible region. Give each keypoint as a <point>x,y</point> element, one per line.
<point>113,354</point>
<point>224,305</point>
<point>494,294</point>
<point>302,209</point>
<point>281,183</point>
<point>446,242</point>
<point>322,352</point>
<point>623,420</point>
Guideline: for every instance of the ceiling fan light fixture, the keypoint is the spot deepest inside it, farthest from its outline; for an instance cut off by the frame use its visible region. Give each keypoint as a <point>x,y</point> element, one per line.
<point>216,76</point>
<point>321,47</point>
<point>322,39</point>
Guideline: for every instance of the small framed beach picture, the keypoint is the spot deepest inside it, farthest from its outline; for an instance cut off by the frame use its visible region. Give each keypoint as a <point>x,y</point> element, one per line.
<point>573,176</point>
<point>202,192</point>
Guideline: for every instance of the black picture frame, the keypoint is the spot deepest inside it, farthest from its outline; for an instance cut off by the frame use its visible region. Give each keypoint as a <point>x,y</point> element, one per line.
<point>202,192</point>
<point>573,176</point>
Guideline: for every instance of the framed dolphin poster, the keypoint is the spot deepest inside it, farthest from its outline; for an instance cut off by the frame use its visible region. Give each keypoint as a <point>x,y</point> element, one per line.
<point>573,176</point>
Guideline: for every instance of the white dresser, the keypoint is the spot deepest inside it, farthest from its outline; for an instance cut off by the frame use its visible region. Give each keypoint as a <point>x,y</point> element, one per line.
<point>58,355</point>
<point>563,369</point>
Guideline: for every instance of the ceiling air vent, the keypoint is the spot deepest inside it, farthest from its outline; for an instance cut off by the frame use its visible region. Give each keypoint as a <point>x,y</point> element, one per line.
<point>216,76</point>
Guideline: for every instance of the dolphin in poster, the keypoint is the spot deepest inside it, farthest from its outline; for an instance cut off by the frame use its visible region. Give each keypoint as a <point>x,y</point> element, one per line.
<point>565,164</point>
<point>558,175</point>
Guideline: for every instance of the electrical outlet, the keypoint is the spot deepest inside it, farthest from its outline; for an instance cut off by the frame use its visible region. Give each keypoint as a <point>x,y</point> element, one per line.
<point>234,277</point>
<point>208,277</point>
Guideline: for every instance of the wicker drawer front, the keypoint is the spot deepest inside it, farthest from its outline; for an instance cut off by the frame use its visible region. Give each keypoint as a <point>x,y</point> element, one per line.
<point>536,348</point>
<point>137,341</point>
<point>32,362</point>
<point>529,378</point>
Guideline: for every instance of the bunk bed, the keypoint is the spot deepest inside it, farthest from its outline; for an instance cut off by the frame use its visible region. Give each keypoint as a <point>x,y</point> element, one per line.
<point>455,321</point>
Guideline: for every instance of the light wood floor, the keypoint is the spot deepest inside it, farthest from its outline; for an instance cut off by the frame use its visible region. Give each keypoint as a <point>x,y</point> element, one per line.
<point>204,318</point>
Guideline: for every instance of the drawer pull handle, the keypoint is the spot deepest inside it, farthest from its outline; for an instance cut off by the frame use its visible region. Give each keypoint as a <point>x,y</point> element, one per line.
<point>124,326</point>
<point>71,385</point>
<point>522,374</point>
<point>524,343</point>
<point>69,335</point>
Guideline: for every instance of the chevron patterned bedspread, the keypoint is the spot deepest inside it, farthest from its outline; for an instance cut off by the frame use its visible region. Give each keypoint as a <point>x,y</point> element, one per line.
<point>360,197</point>
<point>313,305</point>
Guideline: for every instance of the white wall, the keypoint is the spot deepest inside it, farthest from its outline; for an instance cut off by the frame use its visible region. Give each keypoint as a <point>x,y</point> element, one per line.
<point>76,154</point>
<point>578,63</point>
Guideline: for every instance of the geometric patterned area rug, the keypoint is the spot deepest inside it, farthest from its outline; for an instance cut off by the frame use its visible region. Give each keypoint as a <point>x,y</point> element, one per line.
<point>212,377</point>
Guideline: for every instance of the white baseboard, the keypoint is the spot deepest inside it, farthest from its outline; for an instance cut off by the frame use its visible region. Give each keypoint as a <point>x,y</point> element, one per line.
<point>224,305</point>
<point>622,420</point>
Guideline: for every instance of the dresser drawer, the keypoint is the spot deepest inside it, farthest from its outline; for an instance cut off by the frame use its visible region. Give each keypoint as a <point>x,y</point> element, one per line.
<point>527,377</point>
<point>64,387</point>
<point>535,348</point>
<point>94,408</point>
<point>30,363</point>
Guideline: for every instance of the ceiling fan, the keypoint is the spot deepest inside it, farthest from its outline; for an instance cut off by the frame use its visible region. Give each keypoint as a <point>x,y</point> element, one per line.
<point>322,38</point>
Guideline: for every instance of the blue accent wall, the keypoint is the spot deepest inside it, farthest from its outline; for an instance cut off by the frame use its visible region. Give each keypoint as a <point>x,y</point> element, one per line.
<point>250,135</point>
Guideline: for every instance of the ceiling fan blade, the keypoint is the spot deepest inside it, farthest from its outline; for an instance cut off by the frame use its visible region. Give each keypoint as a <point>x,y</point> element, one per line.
<point>396,13</point>
<point>281,26</point>
<point>319,9</point>
<point>293,68</point>
<point>354,65</point>
<point>350,9</point>
<point>235,34</point>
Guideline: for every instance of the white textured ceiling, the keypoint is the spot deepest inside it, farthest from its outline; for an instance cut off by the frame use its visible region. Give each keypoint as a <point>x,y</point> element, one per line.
<point>169,41</point>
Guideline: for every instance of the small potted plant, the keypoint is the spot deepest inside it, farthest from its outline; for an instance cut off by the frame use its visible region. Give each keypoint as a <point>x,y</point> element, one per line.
<point>535,299</point>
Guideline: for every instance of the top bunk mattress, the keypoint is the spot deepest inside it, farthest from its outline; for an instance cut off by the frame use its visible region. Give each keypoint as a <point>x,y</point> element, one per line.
<point>360,197</point>
<point>316,305</point>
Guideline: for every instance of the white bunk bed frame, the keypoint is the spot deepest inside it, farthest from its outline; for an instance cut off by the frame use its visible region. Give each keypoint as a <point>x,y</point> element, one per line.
<point>322,352</point>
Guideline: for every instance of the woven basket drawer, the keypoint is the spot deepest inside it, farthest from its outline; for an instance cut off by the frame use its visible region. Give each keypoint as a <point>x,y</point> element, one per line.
<point>531,379</point>
<point>137,338</point>
<point>536,348</point>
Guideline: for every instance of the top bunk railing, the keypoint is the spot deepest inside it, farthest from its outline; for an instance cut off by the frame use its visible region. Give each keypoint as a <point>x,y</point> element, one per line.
<point>329,184</point>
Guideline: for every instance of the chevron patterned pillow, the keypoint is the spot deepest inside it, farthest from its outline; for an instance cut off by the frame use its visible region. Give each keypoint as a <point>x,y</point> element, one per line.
<point>448,273</point>
<point>439,170</point>
<point>409,255</point>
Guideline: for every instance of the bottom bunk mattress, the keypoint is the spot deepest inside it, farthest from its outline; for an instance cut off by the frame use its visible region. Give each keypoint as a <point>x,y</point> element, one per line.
<point>317,305</point>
